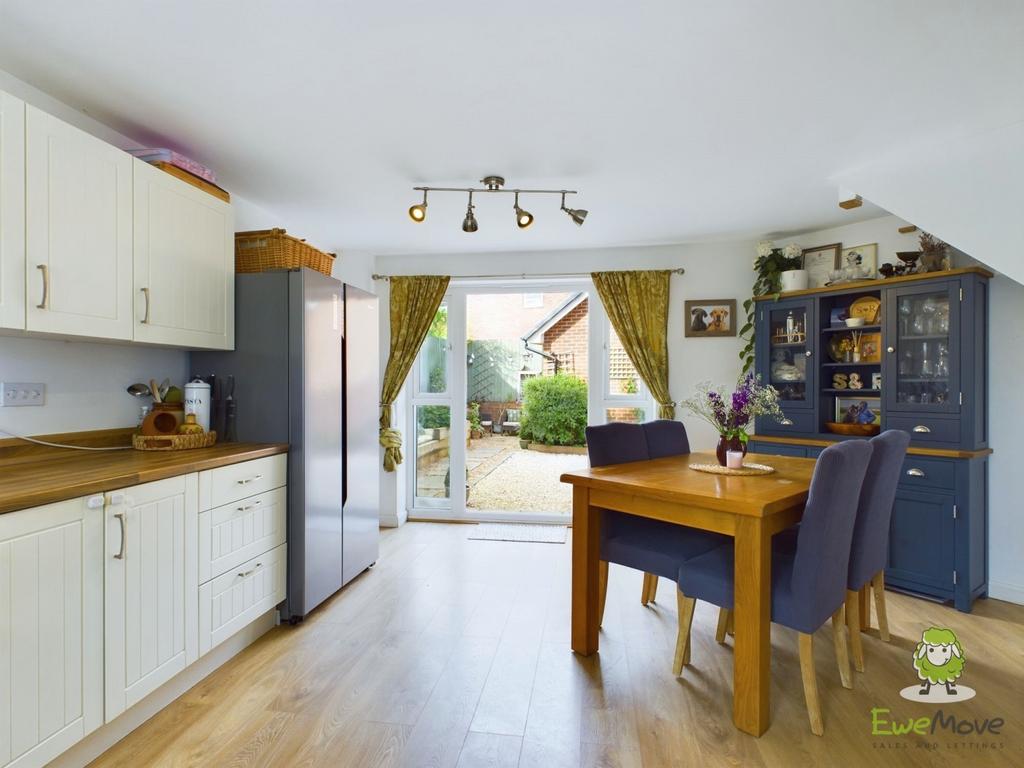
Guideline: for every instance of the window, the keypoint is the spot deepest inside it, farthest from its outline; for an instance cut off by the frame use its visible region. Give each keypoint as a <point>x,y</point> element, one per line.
<point>624,393</point>
<point>432,415</point>
<point>533,300</point>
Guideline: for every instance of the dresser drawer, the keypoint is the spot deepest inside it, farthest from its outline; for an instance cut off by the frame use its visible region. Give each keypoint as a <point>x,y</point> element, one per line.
<point>234,600</point>
<point>776,449</point>
<point>927,473</point>
<point>224,485</point>
<point>926,429</point>
<point>236,532</point>
<point>794,422</point>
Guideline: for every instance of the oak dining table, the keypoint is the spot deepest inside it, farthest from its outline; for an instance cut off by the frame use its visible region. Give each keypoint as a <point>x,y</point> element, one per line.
<point>750,509</point>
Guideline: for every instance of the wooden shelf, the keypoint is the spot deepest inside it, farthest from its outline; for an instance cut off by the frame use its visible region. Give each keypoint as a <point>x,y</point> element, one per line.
<point>926,337</point>
<point>782,344</point>
<point>869,285</point>
<point>851,365</point>
<point>843,328</point>
<point>848,391</point>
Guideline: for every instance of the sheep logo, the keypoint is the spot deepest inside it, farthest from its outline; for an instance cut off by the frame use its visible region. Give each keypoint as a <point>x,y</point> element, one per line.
<point>939,661</point>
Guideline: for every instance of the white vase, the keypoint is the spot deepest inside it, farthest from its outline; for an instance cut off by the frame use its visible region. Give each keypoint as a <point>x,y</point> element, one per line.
<point>794,280</point>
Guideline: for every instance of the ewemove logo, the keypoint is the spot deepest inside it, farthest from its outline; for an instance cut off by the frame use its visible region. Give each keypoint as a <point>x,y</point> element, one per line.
<point>939,661</point>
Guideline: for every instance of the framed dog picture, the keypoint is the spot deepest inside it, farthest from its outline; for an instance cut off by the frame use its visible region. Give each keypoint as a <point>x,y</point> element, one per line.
<point>711,317</point>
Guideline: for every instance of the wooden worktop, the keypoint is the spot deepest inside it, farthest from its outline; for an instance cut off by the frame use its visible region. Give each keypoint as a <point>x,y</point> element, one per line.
<point>48,475</point>
<point>814,442</point>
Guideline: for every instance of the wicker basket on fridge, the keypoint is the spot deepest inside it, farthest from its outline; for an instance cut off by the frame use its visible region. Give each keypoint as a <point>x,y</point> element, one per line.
<point>265,249</point>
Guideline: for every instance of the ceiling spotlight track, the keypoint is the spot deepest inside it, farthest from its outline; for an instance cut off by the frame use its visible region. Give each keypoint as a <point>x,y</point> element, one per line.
<point>494,184</point>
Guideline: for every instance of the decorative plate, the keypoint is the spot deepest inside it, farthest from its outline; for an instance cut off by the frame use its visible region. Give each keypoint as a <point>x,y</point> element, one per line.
<point>746,469</point>
<point>868,307</point>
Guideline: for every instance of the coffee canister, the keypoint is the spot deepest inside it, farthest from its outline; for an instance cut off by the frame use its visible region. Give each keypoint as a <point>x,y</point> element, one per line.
<point>197,401</point>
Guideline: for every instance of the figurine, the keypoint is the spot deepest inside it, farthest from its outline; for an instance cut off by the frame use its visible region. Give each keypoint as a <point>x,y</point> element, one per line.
<point>839,380</point>
<point>855,382</point>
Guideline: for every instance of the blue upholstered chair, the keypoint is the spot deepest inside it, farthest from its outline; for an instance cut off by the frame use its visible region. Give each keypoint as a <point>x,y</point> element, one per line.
<point>870,549</point>
<point>809,583</point>
<point>652,546</point>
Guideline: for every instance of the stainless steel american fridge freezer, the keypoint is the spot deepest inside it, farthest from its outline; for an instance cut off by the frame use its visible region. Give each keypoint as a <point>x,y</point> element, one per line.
<point>305,372</point>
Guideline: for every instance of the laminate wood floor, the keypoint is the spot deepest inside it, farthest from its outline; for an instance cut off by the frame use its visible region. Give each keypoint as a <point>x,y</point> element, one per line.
<point>455,653</point>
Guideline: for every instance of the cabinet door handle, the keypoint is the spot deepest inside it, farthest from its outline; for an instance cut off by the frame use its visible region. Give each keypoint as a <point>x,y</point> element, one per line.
<point>247,480</point>
<point>921,429</point>
<point>145,317</point>
<point>786,422</point>
<point>45,303</point>
<point>915,472</point>
<point>120,519</point>
<point>890,350</point>
<point>251,571</point>
<point>807,353</point>
<point>247,507</point>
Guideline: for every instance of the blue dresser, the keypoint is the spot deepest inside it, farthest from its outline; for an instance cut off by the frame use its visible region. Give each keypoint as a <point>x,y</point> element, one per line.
<point>919,363</point>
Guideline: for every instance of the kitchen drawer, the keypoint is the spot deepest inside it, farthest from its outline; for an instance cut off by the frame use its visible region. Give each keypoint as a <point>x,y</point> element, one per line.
<point>236,532</point>
<point>794,422</point>
<point>234,600</point>
<point>919,472</point>
<point>234,482</point>
<point>776,449</point>
<point>926,429</point>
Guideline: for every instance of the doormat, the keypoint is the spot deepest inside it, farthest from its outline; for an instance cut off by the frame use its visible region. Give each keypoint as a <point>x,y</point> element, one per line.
<point>543,534</point>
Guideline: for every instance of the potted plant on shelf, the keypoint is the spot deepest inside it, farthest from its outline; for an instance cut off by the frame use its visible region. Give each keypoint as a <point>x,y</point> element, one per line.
<point>776,270</point>
<point>732,415</point>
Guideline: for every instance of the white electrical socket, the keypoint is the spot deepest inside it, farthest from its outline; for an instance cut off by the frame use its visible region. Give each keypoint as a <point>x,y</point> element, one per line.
<point>13,393</point>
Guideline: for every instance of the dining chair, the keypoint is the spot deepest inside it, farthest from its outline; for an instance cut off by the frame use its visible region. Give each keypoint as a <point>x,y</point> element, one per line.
<point>869,550</point>
<point>808,584</point>
<point>655,547</point>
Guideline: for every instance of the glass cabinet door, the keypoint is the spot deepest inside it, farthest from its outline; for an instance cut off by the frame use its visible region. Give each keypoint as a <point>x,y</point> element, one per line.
<point>790,331</point>
<point>922,353</point>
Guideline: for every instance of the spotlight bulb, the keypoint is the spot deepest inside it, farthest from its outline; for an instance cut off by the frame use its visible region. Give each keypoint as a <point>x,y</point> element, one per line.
<point>418,212</point>
<point>523,218</point>
<point>576,214</point>
<point>469,223</point>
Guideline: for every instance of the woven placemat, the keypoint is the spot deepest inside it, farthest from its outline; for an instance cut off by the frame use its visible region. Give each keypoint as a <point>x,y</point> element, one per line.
<point>747,469</point>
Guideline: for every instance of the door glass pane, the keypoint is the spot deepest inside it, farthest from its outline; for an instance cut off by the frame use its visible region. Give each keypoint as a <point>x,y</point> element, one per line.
<point>623,378</point>
<point>433,366</point>
<point>433,435</point>
<point>627,415</point>
<point>788,347</point>
<point>923,365</point>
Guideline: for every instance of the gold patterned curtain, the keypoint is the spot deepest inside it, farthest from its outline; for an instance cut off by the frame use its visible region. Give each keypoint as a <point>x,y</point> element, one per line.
<point>414,302</point>
<point>637,306</point>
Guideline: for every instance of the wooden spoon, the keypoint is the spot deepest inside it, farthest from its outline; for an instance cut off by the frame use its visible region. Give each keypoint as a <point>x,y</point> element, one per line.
<point>155,390</point>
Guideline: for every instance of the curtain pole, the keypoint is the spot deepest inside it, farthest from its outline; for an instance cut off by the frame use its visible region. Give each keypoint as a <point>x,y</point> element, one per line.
<point>522,275</point>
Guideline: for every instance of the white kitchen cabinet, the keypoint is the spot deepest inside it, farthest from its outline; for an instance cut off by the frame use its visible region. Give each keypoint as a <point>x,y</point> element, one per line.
<point>12,212</point>
<point>51,629</point>
<point>78,231</point>
<point>184,257</point>
<point>151,596</point>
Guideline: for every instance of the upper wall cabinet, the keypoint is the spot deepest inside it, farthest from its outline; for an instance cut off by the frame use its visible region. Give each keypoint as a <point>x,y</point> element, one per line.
<point>78,231</point>
<point>12,212</point>
<point>184,258</point>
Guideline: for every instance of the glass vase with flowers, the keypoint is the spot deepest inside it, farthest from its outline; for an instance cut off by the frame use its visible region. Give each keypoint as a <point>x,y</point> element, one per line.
<point>733,414</point>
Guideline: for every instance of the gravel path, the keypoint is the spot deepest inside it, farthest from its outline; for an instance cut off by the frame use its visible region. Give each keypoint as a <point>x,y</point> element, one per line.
<point>527,481</point>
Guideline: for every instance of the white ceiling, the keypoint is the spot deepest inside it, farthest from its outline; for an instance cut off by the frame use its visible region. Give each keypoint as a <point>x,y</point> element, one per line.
<point>677,121</point>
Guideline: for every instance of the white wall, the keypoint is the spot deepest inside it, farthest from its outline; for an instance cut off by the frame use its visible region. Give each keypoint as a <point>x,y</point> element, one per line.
<point>713,271</point>
<point>1006,371</point>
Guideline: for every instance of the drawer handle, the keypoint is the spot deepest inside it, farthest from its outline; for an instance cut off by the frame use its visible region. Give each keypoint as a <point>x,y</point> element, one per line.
<point>247,507</point>
<point>243,574</point>
<point>786,422</point>
<point>121,553</point>
<point>247,480</point>
<point>921,428</point>
<point>915,472</point>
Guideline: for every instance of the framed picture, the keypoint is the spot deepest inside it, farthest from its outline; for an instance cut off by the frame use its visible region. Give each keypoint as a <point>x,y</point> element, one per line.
<point>858,410</point>
<point>819,262</point>
<point>710,317</point>
<point>871,348</point>
<point>860,259</point>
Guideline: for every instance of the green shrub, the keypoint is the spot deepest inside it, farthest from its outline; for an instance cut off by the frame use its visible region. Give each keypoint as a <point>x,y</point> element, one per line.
<point>555,410</point>
<point>473,414</point>
<point>434,416</point>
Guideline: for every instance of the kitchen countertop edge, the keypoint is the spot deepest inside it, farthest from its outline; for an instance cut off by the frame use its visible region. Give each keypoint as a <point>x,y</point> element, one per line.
<point>71,476</point>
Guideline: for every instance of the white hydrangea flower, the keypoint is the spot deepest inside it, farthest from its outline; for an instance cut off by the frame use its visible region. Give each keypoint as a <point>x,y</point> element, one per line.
<point>764,248</point>
<point>791,251</point>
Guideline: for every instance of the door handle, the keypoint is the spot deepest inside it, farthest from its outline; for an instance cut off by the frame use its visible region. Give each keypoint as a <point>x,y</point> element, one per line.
<point>145,317</point>
<point>921,429</point>
<point>247,507</point>
<point>915,472</point>
<point>890,350</point>
<point>243,574</point>
<point>807,353</point>
<point>45,303</point>
<point>247,480</point>
<point>120,519</point>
